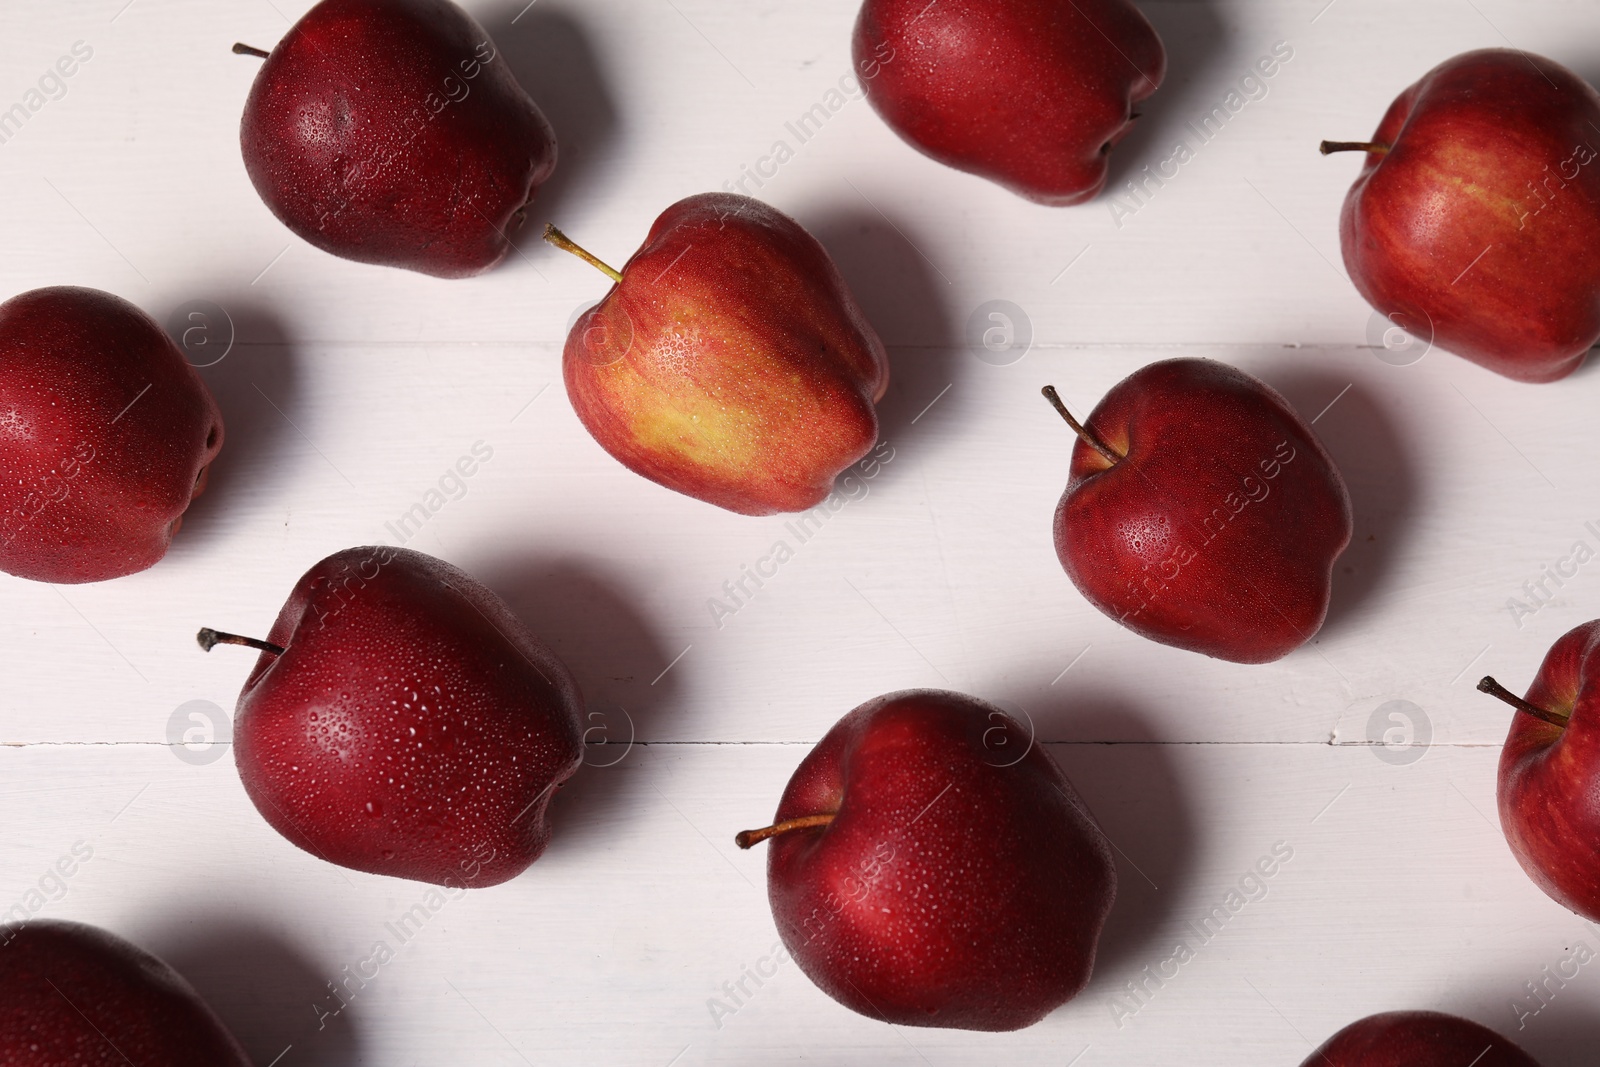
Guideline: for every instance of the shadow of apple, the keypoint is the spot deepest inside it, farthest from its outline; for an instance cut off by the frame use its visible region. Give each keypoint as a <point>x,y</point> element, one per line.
<point>548,49</point>
<point>908,303</point>
<point>1367,445</point>
<point>1196,41</point>
<point>1562,1035</point>
<point>258,372</point>
<point>1138,794</point>
<point>586,615</point>
<point>265,988</point>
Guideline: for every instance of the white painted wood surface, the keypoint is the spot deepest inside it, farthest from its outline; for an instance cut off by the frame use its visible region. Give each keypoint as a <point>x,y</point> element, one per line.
<point>352,389</point>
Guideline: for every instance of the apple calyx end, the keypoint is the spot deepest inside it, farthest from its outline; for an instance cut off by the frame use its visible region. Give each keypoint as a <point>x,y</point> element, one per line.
<point>240,49</point>
<point>209,639</point>
<point>1327,148</point>
<point>567,244</point>
<point>1487,684</point>
<point>750,838</point>
<point>1084,433</point>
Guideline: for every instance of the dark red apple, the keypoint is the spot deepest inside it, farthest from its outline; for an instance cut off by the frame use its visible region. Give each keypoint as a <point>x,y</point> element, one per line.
<point>106,434</point>
<point>729,362</point>
<point>1417,1039</point>
<point>1476,218</point>
<point>924,873</point>
<point>392,132</point>
<point>1031,94</point>
<point>402,721</point>
<point>76,995</point>
<point>1202,512</point>
<point>1549,784</point>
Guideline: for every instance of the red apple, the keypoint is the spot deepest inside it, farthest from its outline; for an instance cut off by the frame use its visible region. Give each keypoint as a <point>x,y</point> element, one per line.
<point>106,434</point>
<point>1031,94</point>
<point>1417,1039</point>
<point>924,874</point>
<point>1202,512</point>
<point>1477,214</point>
<point>392,132</point>
<point>1549,784</point>
<point>729,362</point>
<point>75,995</point>
<point>402,721</point>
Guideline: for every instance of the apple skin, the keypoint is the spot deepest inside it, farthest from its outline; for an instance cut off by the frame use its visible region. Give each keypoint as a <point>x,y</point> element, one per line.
<point>391,132</point>
<point>106,434</point>
<point>1218,531</point>
<point>75,994</point>
<point>1031,94</point>
<point>1417,1039</point>
<point>976,908</point>
<point>1493,155</point>
<point>1549,781</point>
<point>731,363</point>
<point>413,726</point>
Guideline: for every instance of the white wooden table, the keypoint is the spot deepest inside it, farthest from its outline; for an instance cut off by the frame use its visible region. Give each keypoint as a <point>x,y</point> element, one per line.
<point>350,390</point>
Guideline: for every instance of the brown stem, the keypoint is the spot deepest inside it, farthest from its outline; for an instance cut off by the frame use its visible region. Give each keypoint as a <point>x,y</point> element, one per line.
<point>567,244</point>
<point>246,50</point>
<point>210,639</point>
<point>1088,435</point>
<point>1495,689</point>
<point>746,838</point>
<point>1330,147</point>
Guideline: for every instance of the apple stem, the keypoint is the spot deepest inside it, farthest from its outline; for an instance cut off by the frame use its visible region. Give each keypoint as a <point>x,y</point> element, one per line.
<point>746,838</point>
<point>210,639</point>
<point>246,50</point>
<point>1088,436</point>
<point>1495,689</point>
<point>1330,147</point>
<point>567,244</point>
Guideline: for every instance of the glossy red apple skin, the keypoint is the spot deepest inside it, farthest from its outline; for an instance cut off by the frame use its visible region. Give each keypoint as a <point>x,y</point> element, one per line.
<point>392,132</point>
<point>106,434</point>
<point>75,994</point>
<point>731,363</point>
<point>958,885</point>
<point>1031,94</point>
<point>1417,1039</point>
<point>1218,531</point>
<point>1483,219</point>
<point>413,726</point>
<point>1549,782</point>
